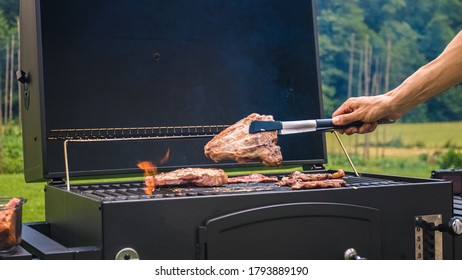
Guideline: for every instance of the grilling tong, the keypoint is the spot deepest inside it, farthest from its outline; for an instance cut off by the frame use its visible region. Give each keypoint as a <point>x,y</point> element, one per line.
<point>292,127</point>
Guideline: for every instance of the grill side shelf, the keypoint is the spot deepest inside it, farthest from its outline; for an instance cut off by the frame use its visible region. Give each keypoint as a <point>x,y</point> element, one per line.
<point>44,247</point>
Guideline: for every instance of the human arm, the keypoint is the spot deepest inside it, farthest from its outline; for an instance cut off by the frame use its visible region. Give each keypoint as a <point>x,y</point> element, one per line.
<point>428,81</point>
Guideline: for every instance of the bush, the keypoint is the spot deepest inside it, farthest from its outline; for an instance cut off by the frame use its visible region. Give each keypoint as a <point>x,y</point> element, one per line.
<point>11,150</point>
<point>423,157</point>
<point>449,145</point>
<point>395,142</point>
<point>451,159</point>
<point>419,144</point>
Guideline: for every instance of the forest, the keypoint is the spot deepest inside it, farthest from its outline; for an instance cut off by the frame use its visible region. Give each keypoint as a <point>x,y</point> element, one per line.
<point>366,48</point>
<point>369,47</point>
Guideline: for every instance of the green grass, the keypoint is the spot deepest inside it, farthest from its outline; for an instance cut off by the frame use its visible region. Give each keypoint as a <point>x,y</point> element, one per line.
<point>14,185</point>
<point>432,135</point>
<point>409,167</point>
<point>409,135</point>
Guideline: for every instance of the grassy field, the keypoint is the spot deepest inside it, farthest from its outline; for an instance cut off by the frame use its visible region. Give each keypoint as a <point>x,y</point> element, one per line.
<point>411,150</point>
<point>14,185</point>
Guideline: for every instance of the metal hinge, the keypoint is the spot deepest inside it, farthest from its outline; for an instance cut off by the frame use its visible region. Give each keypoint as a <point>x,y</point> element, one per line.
<point>56,181</point>
<point>313,167</point>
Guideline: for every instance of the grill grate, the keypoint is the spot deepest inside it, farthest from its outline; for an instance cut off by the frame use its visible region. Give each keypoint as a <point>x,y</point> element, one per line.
<point>135,190</point>
<point>353,181</point>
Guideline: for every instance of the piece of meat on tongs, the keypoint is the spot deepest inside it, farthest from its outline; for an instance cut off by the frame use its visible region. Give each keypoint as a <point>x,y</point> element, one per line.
<point>236,143</point>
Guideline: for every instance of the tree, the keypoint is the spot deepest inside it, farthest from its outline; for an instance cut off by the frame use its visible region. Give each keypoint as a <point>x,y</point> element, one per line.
<point>3,35</point>
<point>419,31</point>
<point>11,10</point>
<point>337,20</point>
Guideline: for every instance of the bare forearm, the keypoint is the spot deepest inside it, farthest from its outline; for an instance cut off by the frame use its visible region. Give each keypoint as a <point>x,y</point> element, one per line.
<point>430,80</point>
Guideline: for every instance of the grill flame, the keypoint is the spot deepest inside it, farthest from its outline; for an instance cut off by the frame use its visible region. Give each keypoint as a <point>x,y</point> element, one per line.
<point>166,157</point>
<point>150,170</point>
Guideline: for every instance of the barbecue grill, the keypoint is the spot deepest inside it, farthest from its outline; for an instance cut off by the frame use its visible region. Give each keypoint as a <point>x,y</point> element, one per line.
<point>107,84</point>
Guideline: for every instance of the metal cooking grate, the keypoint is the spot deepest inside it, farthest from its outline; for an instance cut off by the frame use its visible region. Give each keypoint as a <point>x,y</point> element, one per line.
<point>135,190</point>
<point>353,181</point>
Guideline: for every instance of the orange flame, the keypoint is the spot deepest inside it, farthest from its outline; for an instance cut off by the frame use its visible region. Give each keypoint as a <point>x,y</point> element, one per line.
<point>166,157</point>
<point>149,171</point>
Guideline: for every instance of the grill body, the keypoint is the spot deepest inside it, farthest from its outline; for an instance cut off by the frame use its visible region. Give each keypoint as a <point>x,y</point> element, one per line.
<point>378,220</point>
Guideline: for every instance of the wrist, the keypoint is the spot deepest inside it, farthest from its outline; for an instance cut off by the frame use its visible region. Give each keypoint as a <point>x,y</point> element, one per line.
<point>395,106</point>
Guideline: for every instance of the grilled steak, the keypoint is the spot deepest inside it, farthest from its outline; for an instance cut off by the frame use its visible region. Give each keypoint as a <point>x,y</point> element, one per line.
<point>253,178</point>
<point>236,143</point>
<point>299,176</point>
<point>203,177</point>
<point>333,183</point>
<point>298,180</point>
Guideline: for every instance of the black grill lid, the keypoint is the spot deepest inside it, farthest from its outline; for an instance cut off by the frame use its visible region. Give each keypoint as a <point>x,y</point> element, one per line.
<point>96,68</point>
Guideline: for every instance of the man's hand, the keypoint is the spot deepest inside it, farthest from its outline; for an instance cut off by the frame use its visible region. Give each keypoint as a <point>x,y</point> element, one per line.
<point>370,110</point>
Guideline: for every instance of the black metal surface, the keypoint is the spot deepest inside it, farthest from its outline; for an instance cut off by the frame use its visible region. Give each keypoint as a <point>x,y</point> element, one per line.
<point>457,200</point>
<point>110,67</point>
<point>296,227</point>
<point>19,254</point>
<point>453,175</point>
<point>41,246</point>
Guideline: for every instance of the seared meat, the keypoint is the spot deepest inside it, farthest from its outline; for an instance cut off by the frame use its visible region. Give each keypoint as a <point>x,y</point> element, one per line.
<point>236,143</point>
<point>203,177</point>
<point>333,183</point>
<point>253,178</point>
<point>298,180</point>
<point>302,177</point>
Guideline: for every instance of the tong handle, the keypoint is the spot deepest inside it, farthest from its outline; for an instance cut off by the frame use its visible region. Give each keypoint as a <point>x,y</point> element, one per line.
<point>326,124</point>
